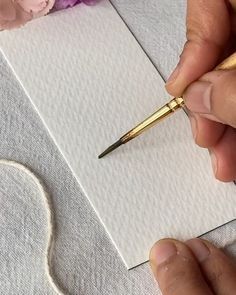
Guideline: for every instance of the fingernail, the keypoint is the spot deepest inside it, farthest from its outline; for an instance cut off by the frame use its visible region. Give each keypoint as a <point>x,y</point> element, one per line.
<point>199,249</point>
<point>193,123</point>
<point>163,251</point>
<point>198,97</point>
<point>174,75</point>
<point>214,162</point>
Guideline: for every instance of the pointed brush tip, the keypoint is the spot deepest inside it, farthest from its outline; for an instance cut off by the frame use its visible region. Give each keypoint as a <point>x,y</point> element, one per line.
<point>110,149</point>
<point>101,156</point>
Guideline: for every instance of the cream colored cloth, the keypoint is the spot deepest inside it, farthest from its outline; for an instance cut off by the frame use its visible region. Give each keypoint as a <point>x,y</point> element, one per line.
<point>84,259</point>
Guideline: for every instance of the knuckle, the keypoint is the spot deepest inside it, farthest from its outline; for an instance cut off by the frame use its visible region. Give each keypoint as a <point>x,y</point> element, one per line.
<point>203,21</point>
<point>172,282</point>
<point>183,280</point>
<point>176,274</point>
<point>198,30</point>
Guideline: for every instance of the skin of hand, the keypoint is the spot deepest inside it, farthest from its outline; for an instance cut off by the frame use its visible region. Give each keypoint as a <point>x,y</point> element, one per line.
<point>192,268</point>
<point>210,95</point>
<point>196,267</point>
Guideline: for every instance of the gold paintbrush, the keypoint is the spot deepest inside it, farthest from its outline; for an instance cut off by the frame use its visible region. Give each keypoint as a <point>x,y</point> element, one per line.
<point>168,109</point>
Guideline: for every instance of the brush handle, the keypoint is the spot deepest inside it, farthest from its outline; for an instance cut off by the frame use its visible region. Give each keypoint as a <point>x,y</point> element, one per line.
<point>152,120</point>
<point>228,64</point>
<point>172,106</point>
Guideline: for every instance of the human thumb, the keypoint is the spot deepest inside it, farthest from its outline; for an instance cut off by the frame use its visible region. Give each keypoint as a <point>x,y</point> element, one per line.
<point>214,96</point>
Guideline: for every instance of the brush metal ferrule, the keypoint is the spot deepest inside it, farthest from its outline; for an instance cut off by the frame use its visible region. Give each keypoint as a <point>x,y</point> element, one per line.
<point>159,115</point>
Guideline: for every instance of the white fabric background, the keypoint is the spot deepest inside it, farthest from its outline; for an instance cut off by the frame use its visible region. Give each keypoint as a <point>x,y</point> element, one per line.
<point>85,261</point>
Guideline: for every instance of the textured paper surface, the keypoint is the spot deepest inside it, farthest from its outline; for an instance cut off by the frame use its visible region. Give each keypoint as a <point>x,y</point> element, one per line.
<point>90,82</point>
<point>82,247</point>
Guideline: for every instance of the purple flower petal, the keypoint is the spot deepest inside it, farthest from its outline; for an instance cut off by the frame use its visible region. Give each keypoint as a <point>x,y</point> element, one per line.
<point>89,2</point>
<point>62,4</point>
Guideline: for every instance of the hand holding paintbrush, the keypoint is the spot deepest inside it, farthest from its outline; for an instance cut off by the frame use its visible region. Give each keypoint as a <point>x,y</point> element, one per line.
<point>196,266</point>
<point>211,101</point>
<point>202,90</point>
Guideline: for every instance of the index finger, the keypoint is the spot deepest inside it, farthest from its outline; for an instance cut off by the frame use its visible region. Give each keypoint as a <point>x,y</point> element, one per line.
<point>208,30</point>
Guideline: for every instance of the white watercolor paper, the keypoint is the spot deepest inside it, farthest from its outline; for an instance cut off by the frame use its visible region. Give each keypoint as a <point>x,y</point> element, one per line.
<point>91,82</point>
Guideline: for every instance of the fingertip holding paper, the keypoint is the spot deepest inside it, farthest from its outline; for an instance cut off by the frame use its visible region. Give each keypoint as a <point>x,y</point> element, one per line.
<point>87,98</point>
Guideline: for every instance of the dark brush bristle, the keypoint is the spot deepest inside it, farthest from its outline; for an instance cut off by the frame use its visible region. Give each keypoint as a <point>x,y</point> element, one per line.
<point>111,148</point>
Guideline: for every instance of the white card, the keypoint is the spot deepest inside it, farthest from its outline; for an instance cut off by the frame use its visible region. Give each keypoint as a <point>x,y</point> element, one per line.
<point>91,82</point>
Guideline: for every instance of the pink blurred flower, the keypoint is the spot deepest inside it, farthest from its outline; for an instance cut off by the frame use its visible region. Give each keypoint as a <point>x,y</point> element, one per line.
<point>15,13</point>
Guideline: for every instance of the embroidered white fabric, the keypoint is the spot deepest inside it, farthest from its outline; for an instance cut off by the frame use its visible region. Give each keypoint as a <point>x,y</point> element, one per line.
<point>84,260</point>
